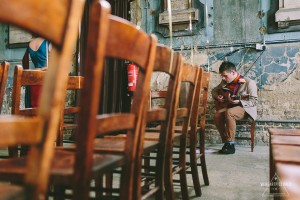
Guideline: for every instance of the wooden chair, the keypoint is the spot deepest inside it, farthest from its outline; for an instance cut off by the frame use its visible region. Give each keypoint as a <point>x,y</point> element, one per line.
<point>75,84</point>
<point>248,122</point>
<point>57,22</point>
<point>3,79</point>
<point>169,63</point>
<point>126,42</point>
<point>192,76</point>
<point>194,151</point>
<point>67,165</point>
<point>201,127</point>
<point>33,78</point>
<point>197,133</point>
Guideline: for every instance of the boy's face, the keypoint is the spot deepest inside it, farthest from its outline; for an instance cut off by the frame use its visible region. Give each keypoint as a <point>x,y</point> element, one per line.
<point>228,76</point>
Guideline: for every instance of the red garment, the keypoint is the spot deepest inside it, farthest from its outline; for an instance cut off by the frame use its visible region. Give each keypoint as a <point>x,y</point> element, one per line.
<point>234,85</point>
<point>35,92</point>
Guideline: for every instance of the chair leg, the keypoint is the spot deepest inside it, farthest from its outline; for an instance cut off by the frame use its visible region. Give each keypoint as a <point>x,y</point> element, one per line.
<point>252,135</point>
<point>194,167</point>
<point>202,157</point>
<point>146,169</point>
<point>59,139</point>
<point>13,152</point>
<point>169,187</point>
<point>159,181</point>
<point>59,192</point>
<point>271,164</point>
<point>204,170</point>
<point>109,182</point>
<point>99,187</point>
<point>182,173</point>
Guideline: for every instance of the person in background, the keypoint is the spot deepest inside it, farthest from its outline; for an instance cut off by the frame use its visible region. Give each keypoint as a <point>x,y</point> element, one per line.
<point>38,51</point>
<point>235,99</point>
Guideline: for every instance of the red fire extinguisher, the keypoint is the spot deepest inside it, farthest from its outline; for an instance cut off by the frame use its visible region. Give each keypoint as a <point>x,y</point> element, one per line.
<point>132,71</point>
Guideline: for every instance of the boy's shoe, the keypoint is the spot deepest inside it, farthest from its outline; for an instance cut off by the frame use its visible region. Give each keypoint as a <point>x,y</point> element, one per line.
<point>224,147</point>
<point>227,149</point>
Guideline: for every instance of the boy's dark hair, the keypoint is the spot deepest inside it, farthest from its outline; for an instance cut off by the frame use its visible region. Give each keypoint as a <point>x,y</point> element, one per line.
<point>227,66</point>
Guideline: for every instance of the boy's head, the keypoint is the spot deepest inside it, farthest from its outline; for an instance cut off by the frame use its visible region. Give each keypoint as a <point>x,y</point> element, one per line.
<point>228,71</point>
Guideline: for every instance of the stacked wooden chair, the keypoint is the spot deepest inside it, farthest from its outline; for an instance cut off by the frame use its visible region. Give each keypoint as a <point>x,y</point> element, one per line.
<point>33,78</point>
<point>132,44</point>
<point>192,76</point>
<point>201,128</point>
<point>69,115</point>
<point>4,67</point>
<point>169,63</point>
<point>75,170</point>
<point>57,22</point>
<point>196,133</point>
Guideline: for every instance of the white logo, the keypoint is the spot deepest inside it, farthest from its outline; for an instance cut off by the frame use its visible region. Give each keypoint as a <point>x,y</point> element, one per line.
<point>275,187</point>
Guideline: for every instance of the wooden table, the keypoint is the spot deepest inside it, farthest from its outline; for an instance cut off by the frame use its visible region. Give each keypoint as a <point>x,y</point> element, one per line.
<point>285,164</point>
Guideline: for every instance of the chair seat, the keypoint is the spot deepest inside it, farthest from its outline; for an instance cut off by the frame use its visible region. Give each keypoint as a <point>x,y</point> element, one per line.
<point>8,191</point>
<point>178,129</point>
<point>117,144</point>
<point>154,136</point>
<point>62,170</point>
<point>153,129</point>
<point>70,126</point>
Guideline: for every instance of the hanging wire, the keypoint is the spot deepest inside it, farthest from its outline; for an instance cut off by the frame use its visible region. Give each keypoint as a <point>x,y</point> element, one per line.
<point>170,23</point>
<point>253,63</point>
<point>207,40</point>
<point>191,30</point>
<point>171,34</point>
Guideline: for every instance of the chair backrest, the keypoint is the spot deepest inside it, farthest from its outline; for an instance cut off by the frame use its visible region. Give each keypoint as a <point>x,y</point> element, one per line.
<point>195,106</point>
<point>35,78</point>
<point>24,78</point>
<point>56,21</point>
<point>189,77</point>
<point>127,42</point>
<point>70,113</point>
<point>169,63</point>
<point>3,79</point>
<point>203,101</point>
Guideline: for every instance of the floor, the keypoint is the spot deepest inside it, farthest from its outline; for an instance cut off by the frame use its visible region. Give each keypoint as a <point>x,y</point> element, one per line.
<point>240,176</point>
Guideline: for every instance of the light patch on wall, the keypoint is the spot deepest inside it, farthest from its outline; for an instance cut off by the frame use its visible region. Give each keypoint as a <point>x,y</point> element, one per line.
<point>159,81</point>
<point>200,58</point>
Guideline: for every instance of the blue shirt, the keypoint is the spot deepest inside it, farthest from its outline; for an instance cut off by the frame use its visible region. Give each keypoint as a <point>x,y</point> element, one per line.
<point>39,57</point>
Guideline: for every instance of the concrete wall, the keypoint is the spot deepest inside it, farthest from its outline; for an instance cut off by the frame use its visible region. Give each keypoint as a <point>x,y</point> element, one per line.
<point>231,31</point>
<point>226,30</point>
